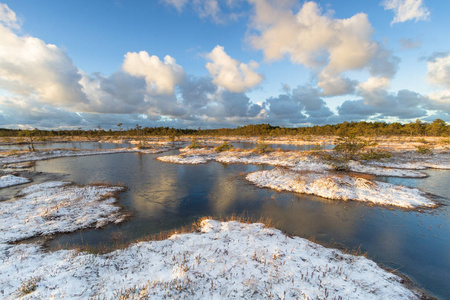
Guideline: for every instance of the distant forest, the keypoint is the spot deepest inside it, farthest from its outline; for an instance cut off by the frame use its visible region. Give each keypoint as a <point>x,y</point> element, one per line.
<point>418,128</point>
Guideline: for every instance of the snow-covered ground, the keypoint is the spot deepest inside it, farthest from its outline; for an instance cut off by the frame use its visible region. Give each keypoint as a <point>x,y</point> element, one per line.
<point>340,187</point>
<point>10,180</point>
<point>18,166</point>
<point>48,154</point>
<point>54,206</point>
<point>225,260</point>
<point>297,160</point>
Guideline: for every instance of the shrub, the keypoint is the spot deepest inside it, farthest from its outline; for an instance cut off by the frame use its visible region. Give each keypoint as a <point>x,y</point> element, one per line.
<point>375,155</point>
<point>224,147</point>
<point>262,148</point>
<point>195,144</point>
<point>316,147</point>
<point>423,149</point>
<point>349,146</point>
<point>422,140</point>
<point>142,146</point>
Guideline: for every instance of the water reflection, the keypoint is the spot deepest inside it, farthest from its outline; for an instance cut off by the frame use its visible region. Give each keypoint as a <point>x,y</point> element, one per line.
<point>166,196</point>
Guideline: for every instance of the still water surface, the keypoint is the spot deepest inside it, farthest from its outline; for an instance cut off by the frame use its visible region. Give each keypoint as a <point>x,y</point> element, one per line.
<point>166,196</point>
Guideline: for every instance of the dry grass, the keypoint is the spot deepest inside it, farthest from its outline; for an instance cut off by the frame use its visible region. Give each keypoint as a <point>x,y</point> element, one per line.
<point>29,286</point>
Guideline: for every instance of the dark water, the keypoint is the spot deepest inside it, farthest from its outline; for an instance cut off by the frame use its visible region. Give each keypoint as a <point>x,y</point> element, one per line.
<point>166,196</point>
<point>67,145</point>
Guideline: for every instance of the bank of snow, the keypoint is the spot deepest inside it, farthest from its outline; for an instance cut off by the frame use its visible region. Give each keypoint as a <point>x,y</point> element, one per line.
<point>298,161</point>
<point>10,180</point>
<point>225,260</point>
<point>341,187</point>
<point>49,154</point>
<point>54,206</point>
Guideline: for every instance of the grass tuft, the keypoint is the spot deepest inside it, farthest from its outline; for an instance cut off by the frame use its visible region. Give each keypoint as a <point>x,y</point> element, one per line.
<point>29,286</point>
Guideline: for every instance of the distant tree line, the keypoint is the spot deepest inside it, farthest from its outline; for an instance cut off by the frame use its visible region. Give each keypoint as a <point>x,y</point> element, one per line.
<point>418,128</point>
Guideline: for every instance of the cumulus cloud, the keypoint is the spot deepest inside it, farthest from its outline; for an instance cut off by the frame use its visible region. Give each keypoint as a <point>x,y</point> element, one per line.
<point>406,10</point>
<point>439,71</point>
<point>8,17</point>
<point>440,100</point>
<point>161,77</point>
<point>41,87</point>
<point>29,66</point>
<point>301,105</point>
<point>327,45</point>
<point>231,74</point>
<point>204,100</point>
<point>373,84</point>
<point>336,85</point>
<point>379,103</point>
<point>439,75</point>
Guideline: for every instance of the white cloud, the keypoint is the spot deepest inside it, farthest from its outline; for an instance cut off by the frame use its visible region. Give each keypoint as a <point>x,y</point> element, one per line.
<point>178,4</point>
<point>218,11</point>
<point>439,71</point>
<point>336,85</point>
<point>324,44</point>
<point>374,91</point>
<point>29,66</point>
<point>161,77</point>
<point>374,83</point>
<point>439,75</point>
<point>440,100</point>
<point>231,74</point>
<point>8,17</point>
<point>311,38</point>
<point>406,10</point>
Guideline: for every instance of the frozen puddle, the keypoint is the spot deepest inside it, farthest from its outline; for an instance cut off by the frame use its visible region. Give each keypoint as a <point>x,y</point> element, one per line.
<point>10,180</point>
<point>224,260</point>
<point>340,187</point>
<point>54,206</point>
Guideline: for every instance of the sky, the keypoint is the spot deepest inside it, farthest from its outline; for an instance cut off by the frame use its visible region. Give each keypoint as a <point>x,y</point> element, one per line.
<point>222,63</point>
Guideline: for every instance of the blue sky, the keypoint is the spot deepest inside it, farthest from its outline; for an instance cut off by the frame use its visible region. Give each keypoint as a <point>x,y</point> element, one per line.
<point>222,63</point>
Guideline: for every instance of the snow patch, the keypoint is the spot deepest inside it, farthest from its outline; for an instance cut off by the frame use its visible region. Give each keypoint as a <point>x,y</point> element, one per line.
<point>10,180</point>
<point>341,187</point>
<point>384,171</point>
<point>226,260</point>
<point>53,207</point>
<point>49,154</point>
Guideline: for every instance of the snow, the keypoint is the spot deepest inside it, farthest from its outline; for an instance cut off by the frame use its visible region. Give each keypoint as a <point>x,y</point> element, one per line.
<point>10,180</point>
<point>23,165</point>
<point>54,206</point>
<point>225,260</point>
<point>193,159</point>
<point>298,161</point>
<point>384,171</point>
<point>341,187</point>
<point>49,154</point>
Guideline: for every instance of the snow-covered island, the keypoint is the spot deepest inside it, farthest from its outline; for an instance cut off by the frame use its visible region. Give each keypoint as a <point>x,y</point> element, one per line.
<point>219,260</point>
